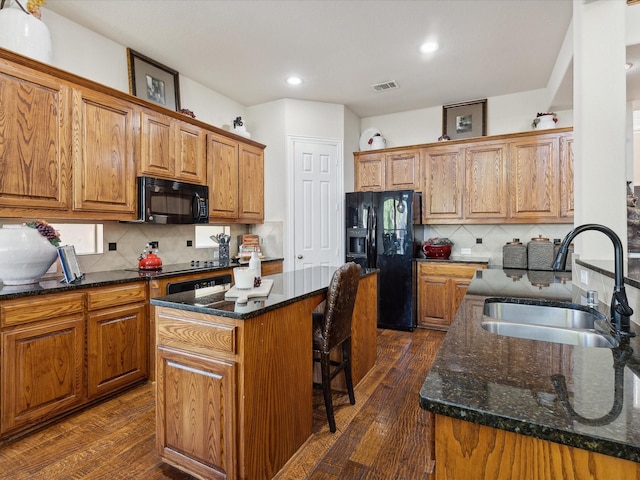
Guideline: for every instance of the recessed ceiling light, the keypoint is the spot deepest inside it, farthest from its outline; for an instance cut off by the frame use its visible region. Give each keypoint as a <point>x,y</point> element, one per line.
<point>628,66</point>
<point>429,47</point>
<point>293,80</point>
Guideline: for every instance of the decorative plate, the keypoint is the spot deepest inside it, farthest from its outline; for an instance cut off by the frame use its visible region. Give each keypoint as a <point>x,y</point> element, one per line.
<point>367,134</point>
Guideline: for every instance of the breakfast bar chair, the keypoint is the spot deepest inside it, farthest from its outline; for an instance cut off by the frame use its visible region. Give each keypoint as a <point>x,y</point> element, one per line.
<point>332,329</point>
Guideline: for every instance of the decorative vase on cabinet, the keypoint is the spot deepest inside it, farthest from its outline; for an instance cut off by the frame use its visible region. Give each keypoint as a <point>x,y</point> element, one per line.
<point>24,33</point>
<point>25,255</point>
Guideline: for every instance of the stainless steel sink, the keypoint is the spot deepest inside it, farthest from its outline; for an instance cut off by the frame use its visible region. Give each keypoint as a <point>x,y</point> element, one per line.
<point>552,315</point>
<point>559,323</point>
<point>568,336</point>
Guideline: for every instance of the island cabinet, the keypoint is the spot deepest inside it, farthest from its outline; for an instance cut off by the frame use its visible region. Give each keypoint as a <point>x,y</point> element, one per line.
<point>441,287</point>
<point>35,169</point>
<point>104,178</point>
<point>172,149</point>
<point>234,383</point>
<point>234,397</point>
<point>392,170</point>
<point>117,337</point>
<point>469,450</point>
<point>236,181</point>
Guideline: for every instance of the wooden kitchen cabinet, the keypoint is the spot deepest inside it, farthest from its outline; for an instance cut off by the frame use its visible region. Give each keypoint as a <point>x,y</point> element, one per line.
<point>236,181</point>
<point>117,338</point>
<point>35,170</point>
<point>394,170</point>
<point>42,371</point>
<point>566,176</point>
<point>441,287</point>
<point>104,174</point>
<point>534,178</point>
<point>172,149</point>
<point>200,439</point>
<point>486,181</point>
<point>444,184</point>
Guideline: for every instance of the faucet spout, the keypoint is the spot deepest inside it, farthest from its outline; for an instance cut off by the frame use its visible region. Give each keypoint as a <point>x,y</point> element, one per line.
<point>620,309</point>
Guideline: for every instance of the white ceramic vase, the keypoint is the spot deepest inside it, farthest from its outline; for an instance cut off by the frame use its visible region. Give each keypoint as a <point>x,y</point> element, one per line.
<point>25,34</point>
<point>545,122</point>
<point>25,255</point>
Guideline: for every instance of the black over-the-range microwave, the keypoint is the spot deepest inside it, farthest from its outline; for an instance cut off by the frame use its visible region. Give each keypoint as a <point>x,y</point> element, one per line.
<point>166,201</point>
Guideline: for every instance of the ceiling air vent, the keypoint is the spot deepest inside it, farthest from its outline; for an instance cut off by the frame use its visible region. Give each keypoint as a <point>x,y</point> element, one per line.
<point>383,87</point>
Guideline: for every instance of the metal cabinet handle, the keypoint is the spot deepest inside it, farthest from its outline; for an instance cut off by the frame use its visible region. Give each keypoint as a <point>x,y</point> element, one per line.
<point>300,257</point>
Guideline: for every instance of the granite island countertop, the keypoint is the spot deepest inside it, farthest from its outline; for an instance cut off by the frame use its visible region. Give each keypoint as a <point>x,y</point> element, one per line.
<point>512,384</point>
<point>288,287</point>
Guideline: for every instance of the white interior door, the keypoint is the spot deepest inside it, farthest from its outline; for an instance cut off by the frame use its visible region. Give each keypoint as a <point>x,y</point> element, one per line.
<point>318,210</point>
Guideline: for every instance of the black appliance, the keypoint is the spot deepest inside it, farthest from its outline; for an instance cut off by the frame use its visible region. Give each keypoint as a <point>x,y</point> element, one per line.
<point>187,285</point>
<point>380,234</point>
<point>166,201</point>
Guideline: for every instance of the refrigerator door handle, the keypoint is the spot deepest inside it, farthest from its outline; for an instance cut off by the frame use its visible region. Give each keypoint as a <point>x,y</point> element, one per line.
<point>371,234</point>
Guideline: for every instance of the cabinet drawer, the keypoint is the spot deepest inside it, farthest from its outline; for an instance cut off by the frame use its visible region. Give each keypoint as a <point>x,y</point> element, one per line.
<point>193,333</point>
<point>42,307</point>
<point>118,295</point>
<point>462,270</point>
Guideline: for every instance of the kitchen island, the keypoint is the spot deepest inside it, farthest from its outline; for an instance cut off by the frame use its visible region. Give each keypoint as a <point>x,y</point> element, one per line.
<point>513,408</point>
<point>234,382</point>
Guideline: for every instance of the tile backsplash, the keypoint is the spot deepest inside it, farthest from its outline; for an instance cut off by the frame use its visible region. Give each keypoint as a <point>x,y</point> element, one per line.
<point>493,237</point>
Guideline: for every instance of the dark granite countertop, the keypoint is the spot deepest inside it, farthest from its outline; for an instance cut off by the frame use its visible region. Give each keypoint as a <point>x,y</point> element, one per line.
<point>506,382</point>
<point>606,267</point>
<point>111,277</point>
<point>288,287</point>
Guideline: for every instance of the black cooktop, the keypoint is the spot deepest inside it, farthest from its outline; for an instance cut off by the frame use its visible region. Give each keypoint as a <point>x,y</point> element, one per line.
<point>178,268</point>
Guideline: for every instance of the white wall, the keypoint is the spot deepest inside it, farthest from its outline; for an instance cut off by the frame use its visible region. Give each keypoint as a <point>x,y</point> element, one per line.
<point>90,55</point>
<point>505,114</point>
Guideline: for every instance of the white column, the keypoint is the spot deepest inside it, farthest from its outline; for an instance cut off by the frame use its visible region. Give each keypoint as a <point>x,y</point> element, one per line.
<point>599,122</point>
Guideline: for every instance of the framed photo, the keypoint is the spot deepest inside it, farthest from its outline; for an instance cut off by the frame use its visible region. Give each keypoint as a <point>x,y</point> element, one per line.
<point>152,81</point>
<point>465,120</point>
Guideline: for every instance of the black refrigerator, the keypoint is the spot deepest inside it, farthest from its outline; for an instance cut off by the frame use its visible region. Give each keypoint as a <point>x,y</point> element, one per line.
<point>380,234</point>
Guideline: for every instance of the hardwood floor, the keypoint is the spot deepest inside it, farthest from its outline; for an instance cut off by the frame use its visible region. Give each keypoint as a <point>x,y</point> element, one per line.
<point>384,436</point>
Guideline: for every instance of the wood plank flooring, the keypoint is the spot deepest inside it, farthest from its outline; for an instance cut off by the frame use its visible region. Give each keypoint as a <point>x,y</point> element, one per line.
<point>384,436</point>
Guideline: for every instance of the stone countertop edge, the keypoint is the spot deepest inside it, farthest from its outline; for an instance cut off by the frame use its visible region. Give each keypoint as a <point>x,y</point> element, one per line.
<point>456,382</point>
<point>606,268</point>
<point>100,279</point>
<point>317,284</point>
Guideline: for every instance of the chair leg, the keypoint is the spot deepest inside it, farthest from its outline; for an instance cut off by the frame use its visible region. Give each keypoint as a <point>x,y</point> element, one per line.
<point>346,356</point>
<point>326,389</point>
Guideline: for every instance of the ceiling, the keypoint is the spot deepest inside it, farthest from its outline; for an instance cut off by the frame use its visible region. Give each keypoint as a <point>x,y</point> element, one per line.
<point>245,49</point>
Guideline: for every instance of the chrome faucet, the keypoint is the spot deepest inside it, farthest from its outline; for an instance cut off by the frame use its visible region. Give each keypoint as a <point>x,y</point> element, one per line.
<point>620,309</point>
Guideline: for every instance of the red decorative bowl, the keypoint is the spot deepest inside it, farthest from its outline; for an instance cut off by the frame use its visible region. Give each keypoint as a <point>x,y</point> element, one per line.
<point>437,251</point>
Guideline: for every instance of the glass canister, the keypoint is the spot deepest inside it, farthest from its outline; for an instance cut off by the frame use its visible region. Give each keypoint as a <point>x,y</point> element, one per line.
<point>540,253</point>
<point>514,255</point>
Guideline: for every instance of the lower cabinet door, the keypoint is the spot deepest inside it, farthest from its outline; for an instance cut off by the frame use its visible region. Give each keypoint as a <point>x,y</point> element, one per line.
<point>42,368</point>
<point>196,414</point>
<point>117,348</point>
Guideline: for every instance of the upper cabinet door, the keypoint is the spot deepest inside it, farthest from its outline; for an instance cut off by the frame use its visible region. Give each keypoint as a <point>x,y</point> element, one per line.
<point>251,184</point>
<point>156,149</point>
<point>370,172</point>
<point>191,153</point>
<point>566,176</point>
<point>103,155</point>
<point>444,184</point>
<point>35,136</point>
<point>223,177</point>
<point>403,171</point>
<point>485,181</point>
<point>534,178</point>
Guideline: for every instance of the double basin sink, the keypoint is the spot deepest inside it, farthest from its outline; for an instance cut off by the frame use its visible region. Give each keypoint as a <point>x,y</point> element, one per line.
<point>566,323</point>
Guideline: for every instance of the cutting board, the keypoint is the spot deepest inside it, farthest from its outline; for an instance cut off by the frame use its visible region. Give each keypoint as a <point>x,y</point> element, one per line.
<point>243,295</point>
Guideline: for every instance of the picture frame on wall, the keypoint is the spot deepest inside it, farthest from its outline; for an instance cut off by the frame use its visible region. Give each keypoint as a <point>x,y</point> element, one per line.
<point>152,81</point>
<point>464,120</point>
